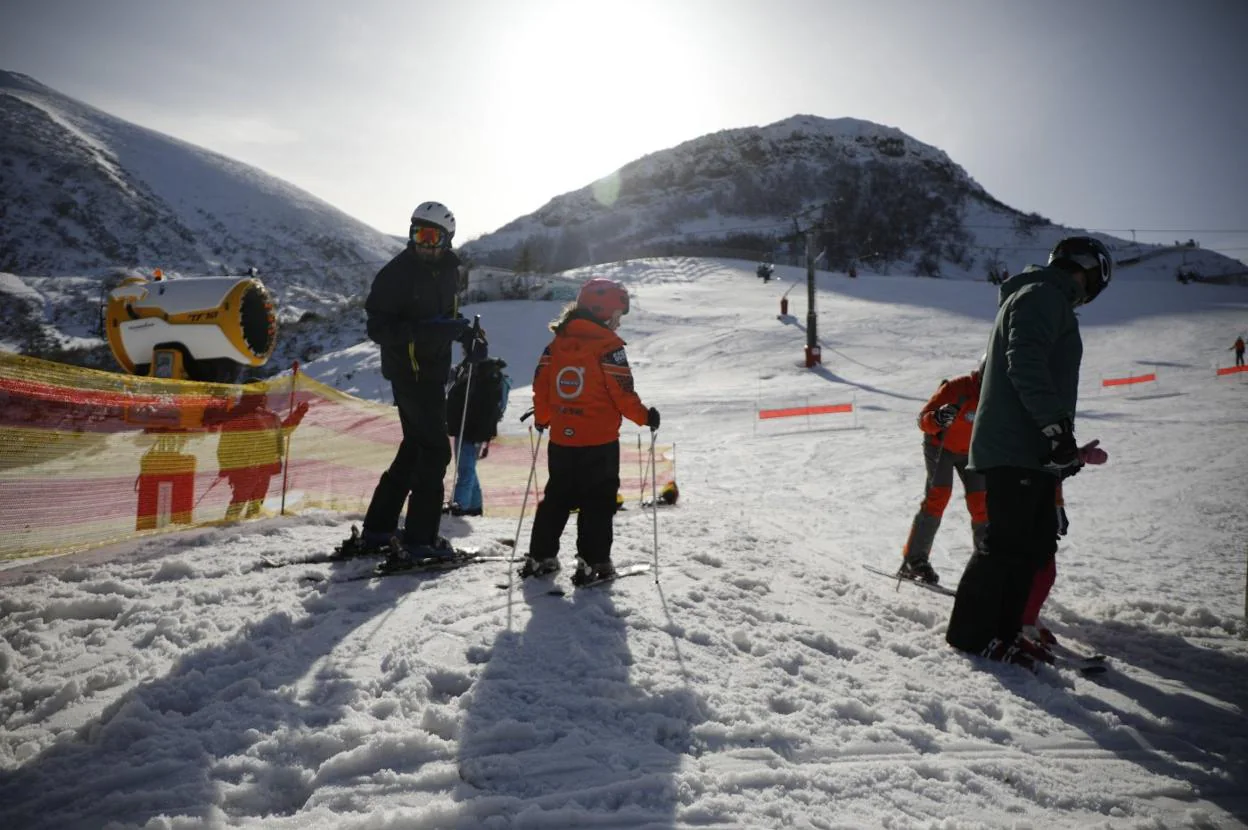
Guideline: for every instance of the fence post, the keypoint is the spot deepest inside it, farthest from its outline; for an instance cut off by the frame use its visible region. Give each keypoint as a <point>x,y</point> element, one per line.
<point>290,409</point>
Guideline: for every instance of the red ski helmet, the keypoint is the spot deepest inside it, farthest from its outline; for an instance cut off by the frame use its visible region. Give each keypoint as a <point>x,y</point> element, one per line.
<point>602,298</point>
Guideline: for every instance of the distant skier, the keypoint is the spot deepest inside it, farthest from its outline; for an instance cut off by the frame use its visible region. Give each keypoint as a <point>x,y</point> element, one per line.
<point>581,388</point>
<point>479,415</point>
<point>946,421</point>
<point>1023,443</point>
<point>1238,348</point>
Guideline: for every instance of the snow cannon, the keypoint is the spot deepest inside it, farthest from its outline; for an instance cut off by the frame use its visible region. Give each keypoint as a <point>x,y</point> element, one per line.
<point>203,329</point>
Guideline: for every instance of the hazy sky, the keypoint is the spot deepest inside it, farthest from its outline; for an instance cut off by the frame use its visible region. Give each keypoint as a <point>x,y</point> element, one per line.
<point>1106,114</point>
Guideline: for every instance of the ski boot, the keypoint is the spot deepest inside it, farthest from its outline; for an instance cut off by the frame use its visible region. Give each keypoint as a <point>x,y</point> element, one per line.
<point>587,574</point>
<point>368,543</point>
<point>456,510</point>
<point>539,567</point>
<point>1041,635</point>
<point>1018,653</point>
<point>919,571</point>
<point>403,556</point>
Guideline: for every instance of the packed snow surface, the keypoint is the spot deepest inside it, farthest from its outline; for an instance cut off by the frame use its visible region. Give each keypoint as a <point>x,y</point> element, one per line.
<point>766,680</point>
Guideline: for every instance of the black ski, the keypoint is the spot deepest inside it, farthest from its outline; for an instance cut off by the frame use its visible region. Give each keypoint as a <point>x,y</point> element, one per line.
<point>1074,654</point>
<point>620,572</point>
<point>1085,666</point>
<point>345,551</point>
<point>316,559</point>
<point>428,566</point>
<point>351,549</point>
<point>556,591</point>
<point>520,580</point>
<point>939,589</point>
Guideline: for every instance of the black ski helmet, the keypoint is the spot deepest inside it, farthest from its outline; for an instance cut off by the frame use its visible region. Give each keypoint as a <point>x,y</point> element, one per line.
<point>1091,256</point>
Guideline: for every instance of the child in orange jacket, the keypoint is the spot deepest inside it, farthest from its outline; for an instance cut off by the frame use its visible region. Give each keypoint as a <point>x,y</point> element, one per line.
<point>582,389</point>
<point>946,421</point>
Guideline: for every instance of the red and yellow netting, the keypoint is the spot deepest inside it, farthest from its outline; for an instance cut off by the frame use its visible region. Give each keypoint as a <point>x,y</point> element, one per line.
<point>90,457</point>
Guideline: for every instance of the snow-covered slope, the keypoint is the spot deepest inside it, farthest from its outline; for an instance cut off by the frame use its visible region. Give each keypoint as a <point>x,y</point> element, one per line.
<point>883,200</point>
<point>766,681</point>
<point>84,192</point>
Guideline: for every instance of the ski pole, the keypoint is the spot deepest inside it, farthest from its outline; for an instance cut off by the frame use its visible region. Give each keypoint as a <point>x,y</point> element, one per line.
<point>206,492</point>
<point>463,418</point>
<point>649,464</point>
<point>641,476</point>
<point>537,481</point>
<point>511,572</point>
<point>654,505</point>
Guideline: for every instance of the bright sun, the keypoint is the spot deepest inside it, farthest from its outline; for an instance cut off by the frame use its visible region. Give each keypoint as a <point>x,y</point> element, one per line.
<point>603,70</point>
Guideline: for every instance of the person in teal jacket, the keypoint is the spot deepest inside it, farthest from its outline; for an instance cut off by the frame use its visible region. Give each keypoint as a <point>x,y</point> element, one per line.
<point>1023,442</point>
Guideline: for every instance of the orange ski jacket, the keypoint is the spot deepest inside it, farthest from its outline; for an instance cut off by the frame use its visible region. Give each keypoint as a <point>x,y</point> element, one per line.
<point>583,387</point>
<point>962,392</point>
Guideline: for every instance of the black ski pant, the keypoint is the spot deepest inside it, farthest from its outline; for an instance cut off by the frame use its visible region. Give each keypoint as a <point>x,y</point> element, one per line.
<point>1022,537</point>
<point>418,468</point>
<point>584,478</point>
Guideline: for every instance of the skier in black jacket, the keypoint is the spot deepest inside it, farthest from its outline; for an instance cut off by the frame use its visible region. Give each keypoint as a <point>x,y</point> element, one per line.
<point>1023,442</point>
<point>413,315</point>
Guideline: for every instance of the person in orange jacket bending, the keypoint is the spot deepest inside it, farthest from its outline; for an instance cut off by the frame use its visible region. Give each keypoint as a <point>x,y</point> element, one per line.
<point>946,422</point>
<point>582,388</point>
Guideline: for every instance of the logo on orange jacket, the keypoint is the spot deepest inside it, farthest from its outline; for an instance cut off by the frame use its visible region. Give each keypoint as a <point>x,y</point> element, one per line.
<point>570,382</point>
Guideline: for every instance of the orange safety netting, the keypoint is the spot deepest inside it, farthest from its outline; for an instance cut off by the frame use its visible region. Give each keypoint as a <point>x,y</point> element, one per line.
<point>90,457</point>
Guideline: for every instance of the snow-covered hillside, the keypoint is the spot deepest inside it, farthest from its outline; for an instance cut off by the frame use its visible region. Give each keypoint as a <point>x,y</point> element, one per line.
<point>766,681</point>
<point>85,192</point>
<point>883,201</point>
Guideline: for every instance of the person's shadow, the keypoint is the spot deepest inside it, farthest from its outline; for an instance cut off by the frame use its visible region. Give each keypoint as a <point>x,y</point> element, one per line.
<point>217,738</point>
<point>1195,731</point>
<point>556,726</point>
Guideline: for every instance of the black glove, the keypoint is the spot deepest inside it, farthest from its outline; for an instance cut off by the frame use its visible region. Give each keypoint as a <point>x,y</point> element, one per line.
<point>455,328</point>
<point>652,418</point>
<point>475,348</point>
<point>1063,524</point>
<point>433,329</point>
<point>1063,452</point>
<point>541,427</point>
<point>945,415</point>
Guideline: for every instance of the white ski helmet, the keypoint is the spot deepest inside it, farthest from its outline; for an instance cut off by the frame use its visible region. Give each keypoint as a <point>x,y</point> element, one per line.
<point>437,214</point>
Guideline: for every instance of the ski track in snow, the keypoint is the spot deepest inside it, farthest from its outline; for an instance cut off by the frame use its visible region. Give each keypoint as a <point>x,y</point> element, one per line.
<point>766,680</point>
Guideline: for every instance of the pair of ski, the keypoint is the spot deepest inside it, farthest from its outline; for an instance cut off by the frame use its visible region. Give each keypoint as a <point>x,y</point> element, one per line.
<point>1085,663</point>
<point>556,591</point>
<point>346,552</point>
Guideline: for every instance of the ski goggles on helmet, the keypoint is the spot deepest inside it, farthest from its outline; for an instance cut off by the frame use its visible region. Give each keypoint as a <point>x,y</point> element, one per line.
<point>1097,264</point>
<point>1098,269</point>
<point>428,236</point>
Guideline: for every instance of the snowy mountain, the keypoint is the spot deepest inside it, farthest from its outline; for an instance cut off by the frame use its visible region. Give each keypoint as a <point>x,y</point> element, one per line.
<point>883,201</point>
<point>86,194</point>
<point>767,681</point>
